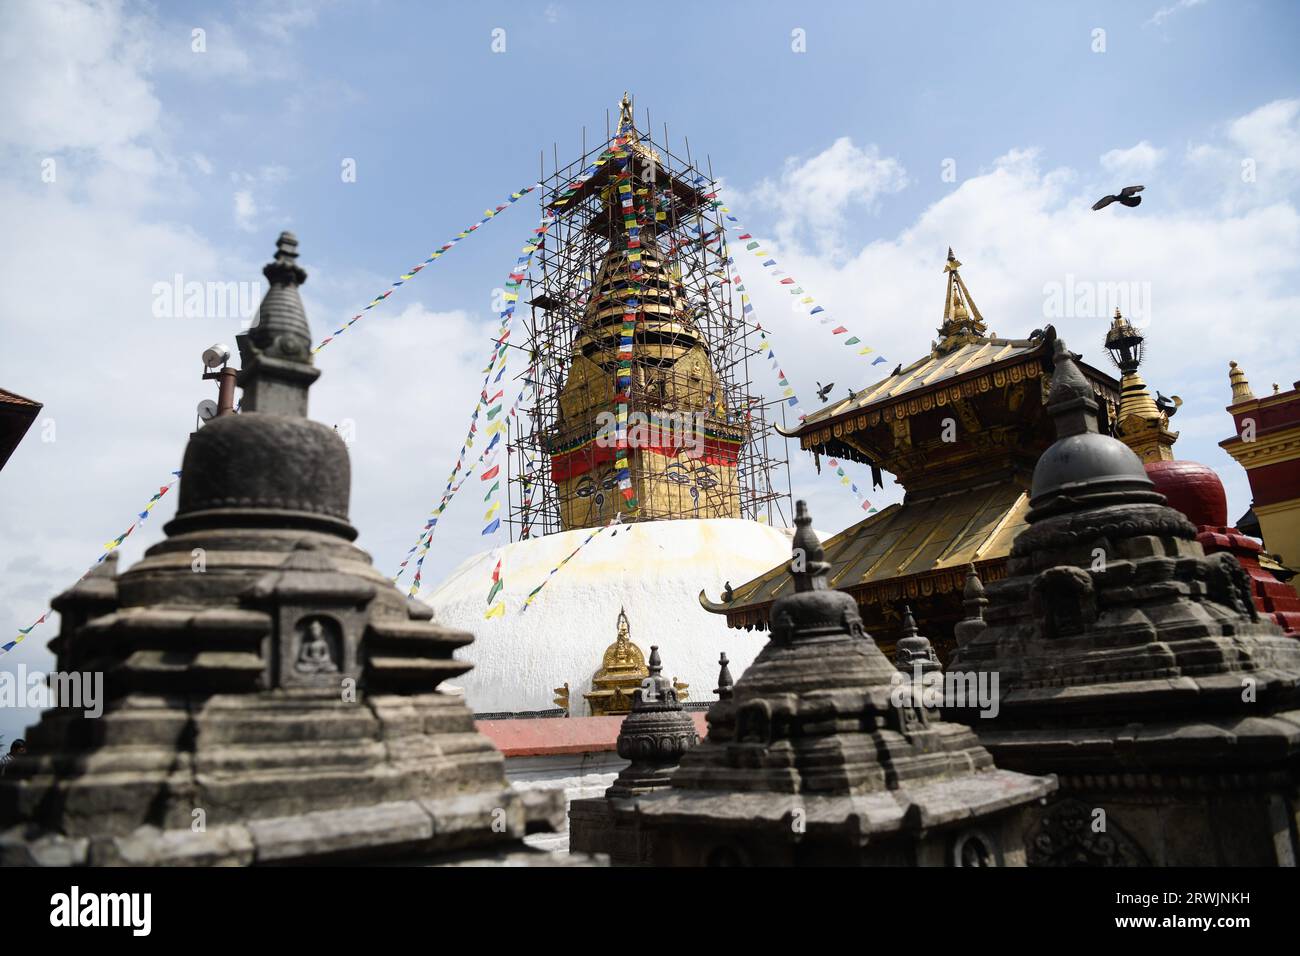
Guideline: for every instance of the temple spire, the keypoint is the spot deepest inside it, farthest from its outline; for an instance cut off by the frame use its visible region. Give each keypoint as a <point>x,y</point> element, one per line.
<point>276,351</point>
<point>725,682</point>
<point>626,121</point>
<point>808,566</point>
<point>1141,422</point>
<point>962,322</point>
<point>914,650</point>
<point>1070,401</point>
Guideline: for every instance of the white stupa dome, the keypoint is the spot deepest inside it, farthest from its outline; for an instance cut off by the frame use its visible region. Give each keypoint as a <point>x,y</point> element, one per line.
<point>653,570</point>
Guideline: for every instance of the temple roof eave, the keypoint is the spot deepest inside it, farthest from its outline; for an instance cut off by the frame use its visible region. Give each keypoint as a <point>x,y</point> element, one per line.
<point>903,544</point>
<point>841,412</point>
<point>922,376</point>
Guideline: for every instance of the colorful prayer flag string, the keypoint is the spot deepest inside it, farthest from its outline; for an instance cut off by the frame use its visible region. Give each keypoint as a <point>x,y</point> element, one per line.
<point>631,310</point>
<point>436,254</point>
<point>805,298</point>
<point>499,608</point>
<point>109,548</point>
<point>532,595</point>
<point>790,398</point>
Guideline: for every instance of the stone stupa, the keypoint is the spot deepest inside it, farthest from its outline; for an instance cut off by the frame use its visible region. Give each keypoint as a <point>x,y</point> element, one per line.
<point>271,697</point>
<point>653,737</point>
<point>810,761</point>
<point>1134,667</point>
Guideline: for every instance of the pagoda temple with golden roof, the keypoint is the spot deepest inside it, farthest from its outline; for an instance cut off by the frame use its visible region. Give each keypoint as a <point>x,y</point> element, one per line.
<point>961,429</point>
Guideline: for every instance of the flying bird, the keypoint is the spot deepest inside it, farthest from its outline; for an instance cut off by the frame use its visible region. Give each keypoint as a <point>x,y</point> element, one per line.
<point>1128,196</point>
<point>823,391</point>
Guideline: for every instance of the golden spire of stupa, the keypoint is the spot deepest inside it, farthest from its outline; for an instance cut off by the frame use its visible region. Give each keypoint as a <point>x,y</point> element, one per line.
<point>625,120</point>
<point>962,322</point>
<point>1141,422</point>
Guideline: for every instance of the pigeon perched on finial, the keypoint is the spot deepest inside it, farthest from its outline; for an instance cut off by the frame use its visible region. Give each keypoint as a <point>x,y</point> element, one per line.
<point>1168,405</point>
<point>727,593</point>
<point>1128,196</point>
<point>823,391</point>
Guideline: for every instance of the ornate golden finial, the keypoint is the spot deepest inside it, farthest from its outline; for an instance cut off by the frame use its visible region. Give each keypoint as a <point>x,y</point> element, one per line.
<point>623,640</point>
<point>625,120</point>
<point>1141,422</point>
<point>1124,344</point>
<point>561,698</point>
<point>1240,387</point>
<point>962,322</point>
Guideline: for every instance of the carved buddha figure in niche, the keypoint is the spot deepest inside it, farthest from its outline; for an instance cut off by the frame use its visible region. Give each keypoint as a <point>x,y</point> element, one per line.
<point>315,656</point>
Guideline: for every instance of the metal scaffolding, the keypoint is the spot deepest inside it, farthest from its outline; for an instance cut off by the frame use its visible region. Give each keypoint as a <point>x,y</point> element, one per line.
<point>690,354</point>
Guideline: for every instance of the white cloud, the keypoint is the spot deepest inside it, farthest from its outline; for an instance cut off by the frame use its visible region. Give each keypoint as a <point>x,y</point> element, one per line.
<point>282,20</point>
<point>1134,161</point>
<point>252,205</point>
<point>1161,16</point>
<point>71,76</point>
<point>813,196</point>
<point>1253,160</point>
<point>246,211</point>
<point>1271,136</point>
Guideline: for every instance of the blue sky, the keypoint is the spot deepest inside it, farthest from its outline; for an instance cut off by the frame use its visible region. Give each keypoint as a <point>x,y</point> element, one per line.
<point>171,161</point>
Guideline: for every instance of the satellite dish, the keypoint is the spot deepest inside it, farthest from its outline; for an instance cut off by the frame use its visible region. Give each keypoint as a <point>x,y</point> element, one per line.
<point>216,355</point>
<point>207,410</point>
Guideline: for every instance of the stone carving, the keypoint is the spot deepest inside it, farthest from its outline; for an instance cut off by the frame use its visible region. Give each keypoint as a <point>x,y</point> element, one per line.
<point>1121,674</point>
<point>316,654</point>
<point>914,652</point>
<point>812,734</point>
<point>654,735</point>
<point>1229,584</point>
<point>1066,600</point>
<point>1065,836</point>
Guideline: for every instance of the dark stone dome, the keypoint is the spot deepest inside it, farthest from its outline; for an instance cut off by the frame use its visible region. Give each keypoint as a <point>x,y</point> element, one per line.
<point>238,466</point>
<point>1087,463</point>
<point>1192,488</point>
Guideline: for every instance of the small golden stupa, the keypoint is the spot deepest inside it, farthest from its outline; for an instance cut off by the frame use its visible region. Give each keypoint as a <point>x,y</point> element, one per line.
<point>622,669</point>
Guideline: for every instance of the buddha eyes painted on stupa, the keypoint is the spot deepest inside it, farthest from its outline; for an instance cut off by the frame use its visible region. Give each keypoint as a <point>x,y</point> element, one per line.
<point>589,485</point>
<point>702,477</point>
